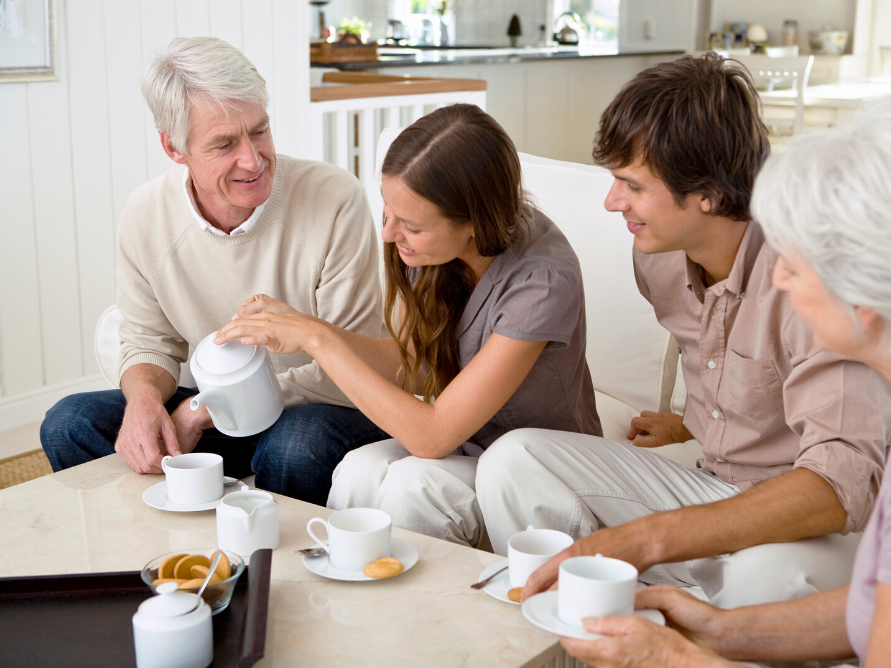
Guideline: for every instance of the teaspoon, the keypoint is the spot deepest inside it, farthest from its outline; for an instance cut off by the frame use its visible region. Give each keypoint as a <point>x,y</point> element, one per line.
<point>217,555</point>
<point>313,551</point>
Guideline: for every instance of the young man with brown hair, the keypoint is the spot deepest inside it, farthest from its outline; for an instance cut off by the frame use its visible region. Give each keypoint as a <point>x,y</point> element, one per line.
<point>793,438</point>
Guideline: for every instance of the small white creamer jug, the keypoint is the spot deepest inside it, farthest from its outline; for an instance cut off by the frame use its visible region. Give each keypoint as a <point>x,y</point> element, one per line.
<point>173,630</point>
<point>246,522</point>
<point>238,385</point>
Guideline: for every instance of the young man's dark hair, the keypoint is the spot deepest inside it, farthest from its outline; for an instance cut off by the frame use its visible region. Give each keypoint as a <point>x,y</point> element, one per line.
<point>695,123</point>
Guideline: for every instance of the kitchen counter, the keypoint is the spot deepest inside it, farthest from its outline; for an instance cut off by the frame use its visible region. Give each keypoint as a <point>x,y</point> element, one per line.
<point>548,99</point>
<point>399,56</point>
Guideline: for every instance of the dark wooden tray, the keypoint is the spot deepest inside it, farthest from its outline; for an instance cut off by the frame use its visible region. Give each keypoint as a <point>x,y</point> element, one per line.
<point>86,619</point>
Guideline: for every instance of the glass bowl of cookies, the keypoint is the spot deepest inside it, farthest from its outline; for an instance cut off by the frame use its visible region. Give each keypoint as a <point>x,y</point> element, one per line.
<point>188,568</point>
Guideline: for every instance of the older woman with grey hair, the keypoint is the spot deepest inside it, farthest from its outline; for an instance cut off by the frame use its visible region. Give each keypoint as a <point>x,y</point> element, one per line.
<point>231,219</point>
<point>825,206</point>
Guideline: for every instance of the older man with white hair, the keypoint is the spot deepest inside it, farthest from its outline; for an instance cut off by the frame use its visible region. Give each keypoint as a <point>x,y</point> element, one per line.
<point>231,220</point>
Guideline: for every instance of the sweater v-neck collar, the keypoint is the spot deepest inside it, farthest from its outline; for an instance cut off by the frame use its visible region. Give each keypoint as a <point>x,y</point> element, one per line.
<point>270,212</point>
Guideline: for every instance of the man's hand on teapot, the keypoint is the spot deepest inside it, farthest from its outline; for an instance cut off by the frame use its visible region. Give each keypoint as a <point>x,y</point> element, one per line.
<point>652,430</point>
<point>281,333</point>
<point>190,425</point>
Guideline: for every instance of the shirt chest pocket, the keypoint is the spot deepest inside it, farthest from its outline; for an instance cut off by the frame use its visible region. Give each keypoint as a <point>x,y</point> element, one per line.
<point>754,388</point>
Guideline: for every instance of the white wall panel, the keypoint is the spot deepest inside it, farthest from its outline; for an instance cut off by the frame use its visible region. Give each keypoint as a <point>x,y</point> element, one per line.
<point>123,40</point>
<point>74,150</point>
<point>20,340</point>
<point>290,33</point>
<point>54,226</point>
<point>192,18</point>
<point>257,16</point>
<point>158,30</point>
<point>95,219</point>
<point>225,21</point>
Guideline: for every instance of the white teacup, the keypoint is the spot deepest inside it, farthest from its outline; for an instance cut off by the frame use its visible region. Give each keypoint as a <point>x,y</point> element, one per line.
<point>356,537</point>
<point>529,550</point>
<point>594,587</point>
<point>193,478</point>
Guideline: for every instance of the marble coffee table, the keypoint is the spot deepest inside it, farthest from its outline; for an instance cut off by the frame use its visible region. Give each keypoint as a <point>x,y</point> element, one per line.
<point>92,519</point>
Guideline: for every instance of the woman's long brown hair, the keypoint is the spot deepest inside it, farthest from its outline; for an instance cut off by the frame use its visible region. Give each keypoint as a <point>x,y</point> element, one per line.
<point>461,160</point>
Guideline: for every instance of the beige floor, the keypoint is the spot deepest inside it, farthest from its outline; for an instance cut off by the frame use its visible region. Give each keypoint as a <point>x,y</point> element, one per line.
<point>19,440</point>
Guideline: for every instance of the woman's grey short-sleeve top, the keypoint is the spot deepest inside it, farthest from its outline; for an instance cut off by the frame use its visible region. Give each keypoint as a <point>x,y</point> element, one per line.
<point>534,292</point>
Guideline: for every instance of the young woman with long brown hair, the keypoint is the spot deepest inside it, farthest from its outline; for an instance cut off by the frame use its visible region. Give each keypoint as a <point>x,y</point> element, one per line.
<point>485,308</point>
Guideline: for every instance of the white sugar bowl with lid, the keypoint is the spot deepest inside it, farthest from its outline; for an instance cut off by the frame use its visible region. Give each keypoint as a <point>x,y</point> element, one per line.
<point>173,630</point>
<point>238,385</point>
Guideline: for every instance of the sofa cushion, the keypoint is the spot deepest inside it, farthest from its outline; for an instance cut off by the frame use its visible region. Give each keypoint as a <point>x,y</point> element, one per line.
<point>107,344</point>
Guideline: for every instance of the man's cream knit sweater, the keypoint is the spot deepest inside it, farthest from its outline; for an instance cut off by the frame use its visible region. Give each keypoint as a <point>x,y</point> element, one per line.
<point>314,247</point>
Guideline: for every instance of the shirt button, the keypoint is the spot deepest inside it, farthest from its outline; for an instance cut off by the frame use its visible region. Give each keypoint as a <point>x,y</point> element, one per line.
<point>716,414</point>
<point>711,364</point>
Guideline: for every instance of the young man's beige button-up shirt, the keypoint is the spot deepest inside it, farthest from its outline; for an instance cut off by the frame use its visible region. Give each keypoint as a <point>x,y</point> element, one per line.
<point>761,398</point>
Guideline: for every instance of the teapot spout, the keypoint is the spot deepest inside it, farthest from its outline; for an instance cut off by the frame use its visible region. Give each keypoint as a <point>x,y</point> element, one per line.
<point>217,406</point>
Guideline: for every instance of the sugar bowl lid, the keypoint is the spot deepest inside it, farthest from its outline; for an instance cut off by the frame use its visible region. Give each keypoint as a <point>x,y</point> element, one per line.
<point>222,359</point>
<point>169,602</point>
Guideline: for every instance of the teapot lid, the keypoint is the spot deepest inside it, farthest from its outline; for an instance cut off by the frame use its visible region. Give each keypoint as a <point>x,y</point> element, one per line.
<point>225,358</point>
<point>169,602</point>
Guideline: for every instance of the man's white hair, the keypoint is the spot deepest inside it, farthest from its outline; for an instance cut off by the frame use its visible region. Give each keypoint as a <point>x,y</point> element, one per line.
<point>197,70</point>
<point>828,198</point>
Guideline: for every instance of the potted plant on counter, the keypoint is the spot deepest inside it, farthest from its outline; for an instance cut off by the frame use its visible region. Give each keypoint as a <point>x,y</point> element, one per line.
<point>354,26</point>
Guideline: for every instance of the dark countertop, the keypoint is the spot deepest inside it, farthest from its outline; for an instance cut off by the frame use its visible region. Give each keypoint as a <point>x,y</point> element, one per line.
<point>410,56</point>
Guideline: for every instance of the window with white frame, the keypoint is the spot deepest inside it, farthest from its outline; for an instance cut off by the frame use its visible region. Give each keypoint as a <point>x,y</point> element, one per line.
<point>599,20</point>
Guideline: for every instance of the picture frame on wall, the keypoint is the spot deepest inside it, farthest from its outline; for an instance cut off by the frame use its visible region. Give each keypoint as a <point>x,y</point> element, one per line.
<point>27,40</point>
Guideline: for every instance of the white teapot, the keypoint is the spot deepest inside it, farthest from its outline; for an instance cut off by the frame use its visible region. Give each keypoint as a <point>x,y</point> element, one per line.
<point>247,521</point>
<point>238,385</point>
<point>173,630</point>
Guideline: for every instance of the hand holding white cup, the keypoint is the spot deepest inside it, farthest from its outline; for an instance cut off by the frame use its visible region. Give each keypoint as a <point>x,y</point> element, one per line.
<point>594,587</point>
<point>529,550</point>
<point>356,537</point>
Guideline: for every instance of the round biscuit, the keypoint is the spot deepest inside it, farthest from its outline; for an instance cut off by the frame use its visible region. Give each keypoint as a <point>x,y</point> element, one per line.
<point>165,570</point>
<point>224,568</point>
<point>385,567</point>
<point>183,568</point>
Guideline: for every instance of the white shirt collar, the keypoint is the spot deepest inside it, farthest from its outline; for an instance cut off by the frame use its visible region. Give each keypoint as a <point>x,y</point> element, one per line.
<point>203,224</point>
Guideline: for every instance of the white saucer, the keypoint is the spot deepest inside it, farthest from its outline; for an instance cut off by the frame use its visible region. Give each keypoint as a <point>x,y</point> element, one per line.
<point>541,610</point>
<point>156,497</point>
<point>400,549</point>
<point>500,584</point>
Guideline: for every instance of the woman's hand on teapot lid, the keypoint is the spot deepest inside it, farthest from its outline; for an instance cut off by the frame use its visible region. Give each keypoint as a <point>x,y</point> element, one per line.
<point>282,333</point>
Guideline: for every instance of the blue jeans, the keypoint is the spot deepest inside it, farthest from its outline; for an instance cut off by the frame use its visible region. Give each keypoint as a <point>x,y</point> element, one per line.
<point>296,456</point>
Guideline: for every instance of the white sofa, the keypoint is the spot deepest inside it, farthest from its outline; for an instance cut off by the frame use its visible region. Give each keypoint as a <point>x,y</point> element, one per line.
<point>633,360</point>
